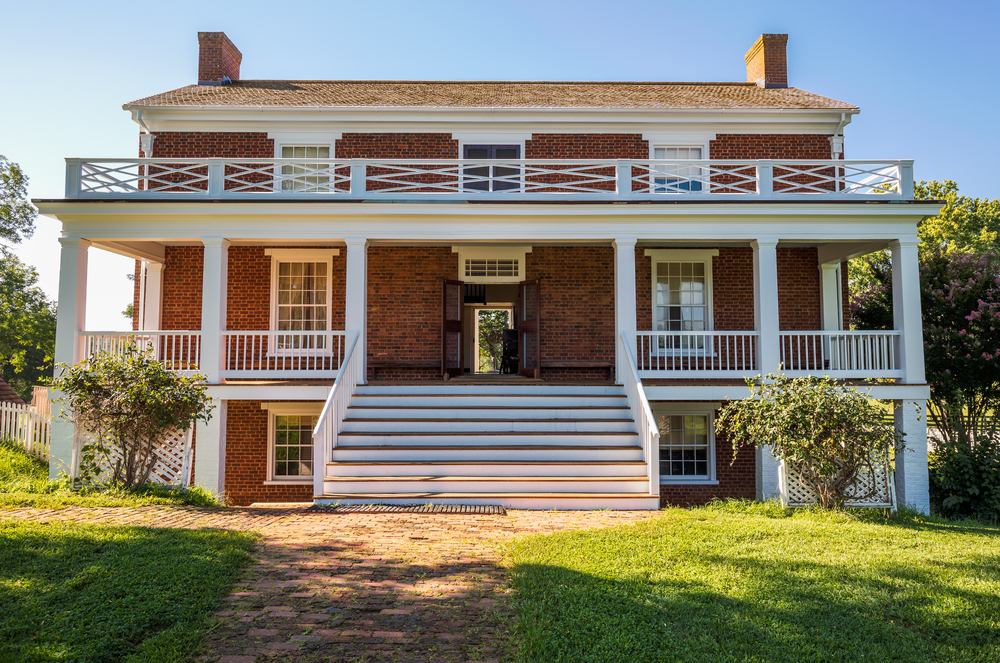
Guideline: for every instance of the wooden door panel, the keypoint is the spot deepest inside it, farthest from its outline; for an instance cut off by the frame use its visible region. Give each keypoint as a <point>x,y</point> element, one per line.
<point>528,328</point>
<point>452,305</point>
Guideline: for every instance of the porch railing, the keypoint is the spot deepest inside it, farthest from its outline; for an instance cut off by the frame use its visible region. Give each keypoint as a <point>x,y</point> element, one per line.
<point>334,410</point>
<point>842,354</point>
<point>525,179</point>
<point>649,432</point>
<point>702,354</point>
<point>176,350</point>
<point>264,354</point>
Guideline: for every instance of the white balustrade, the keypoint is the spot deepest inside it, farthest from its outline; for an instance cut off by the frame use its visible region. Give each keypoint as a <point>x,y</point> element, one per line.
<point>840,354</point>
<point>553,179</point>
<point>335,409</point>
<point>649,432</point>
<point>697,354</point>
<point>27,427</point>
<point>264,354</point>
<point>176,350</point>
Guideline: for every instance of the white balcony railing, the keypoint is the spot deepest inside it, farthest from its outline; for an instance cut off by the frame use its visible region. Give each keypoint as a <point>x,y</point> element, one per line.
<point>335,410</point>
<point>176,350</point>
<point>649,432</point>
<point>277,354</point>
<point>416,179</point>
<point>697,354</point>
<point>840,354</point>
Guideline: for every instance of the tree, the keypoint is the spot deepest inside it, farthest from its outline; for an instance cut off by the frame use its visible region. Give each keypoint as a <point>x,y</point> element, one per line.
<point>17,214</point>
<point>491,326</point>
<point>128,402</point>
<point>827,434</point>
<point>27,327</point>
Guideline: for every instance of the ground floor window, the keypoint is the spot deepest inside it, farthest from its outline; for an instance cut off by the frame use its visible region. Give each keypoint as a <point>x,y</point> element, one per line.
<point>687,442</point>
<point>290,443</point>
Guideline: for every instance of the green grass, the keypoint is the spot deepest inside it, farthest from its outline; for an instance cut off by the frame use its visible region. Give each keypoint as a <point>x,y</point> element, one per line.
<point>24,482</point>
<point>751,582</point>
<point>91,594</point>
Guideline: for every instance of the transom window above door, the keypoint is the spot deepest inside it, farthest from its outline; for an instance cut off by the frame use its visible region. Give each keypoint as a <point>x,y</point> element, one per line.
<point>492,178</point>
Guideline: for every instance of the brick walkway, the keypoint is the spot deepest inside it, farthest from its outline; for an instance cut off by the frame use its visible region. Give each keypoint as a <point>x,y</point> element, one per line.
<point>359,586</point>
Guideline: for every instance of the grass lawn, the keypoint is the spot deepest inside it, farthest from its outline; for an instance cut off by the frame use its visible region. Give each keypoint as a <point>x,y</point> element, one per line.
<point>24,481</point>
<point>751,582</point>
<point>91,594</point>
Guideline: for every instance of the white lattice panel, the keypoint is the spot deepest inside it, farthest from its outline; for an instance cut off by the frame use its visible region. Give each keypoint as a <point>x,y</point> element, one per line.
<point>869,491</point>
<point>173,458</point>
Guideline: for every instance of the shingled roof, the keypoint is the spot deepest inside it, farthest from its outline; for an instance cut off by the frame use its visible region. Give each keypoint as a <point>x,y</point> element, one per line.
<point>7,395</point>
<point>445,94</point>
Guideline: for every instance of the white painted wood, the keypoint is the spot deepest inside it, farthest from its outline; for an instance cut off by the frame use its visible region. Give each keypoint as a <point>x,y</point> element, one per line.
<point>26,427</point>
<point>177,350</point>
<point>649,434</point>
<point>210,451</point>
<point>906,311</point>
<point>466,454</point>
<point>610,415</point>
<point>624,301</point>
<point>769,483</point>
<point>912,482</point>
<point>841,354</point>
<point>486,485</point>
<point>215,283</point>
<point>765,296</point>
<point>356,304</point>
<point>498,469</point>
<point>327,430</point>
<point>565,501</point>
<point>562,425</point>
<point>830,299</point>
<point>458,387</point>
<point>70,321</point>
<point>484,400</point>
<point>152,295</point>
<point>479,438</point>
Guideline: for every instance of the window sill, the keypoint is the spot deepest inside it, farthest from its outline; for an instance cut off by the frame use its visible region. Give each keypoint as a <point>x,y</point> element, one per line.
<point>665,481</point>
<point>289,482</point>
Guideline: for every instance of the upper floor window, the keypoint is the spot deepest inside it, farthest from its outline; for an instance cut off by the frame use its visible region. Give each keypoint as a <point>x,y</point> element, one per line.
<point>508,177</point>
<point>305,176</point>
<point>678,178</point>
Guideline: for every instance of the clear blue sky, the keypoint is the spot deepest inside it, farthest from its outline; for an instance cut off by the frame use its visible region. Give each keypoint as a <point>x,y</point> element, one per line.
<point>925,74</point>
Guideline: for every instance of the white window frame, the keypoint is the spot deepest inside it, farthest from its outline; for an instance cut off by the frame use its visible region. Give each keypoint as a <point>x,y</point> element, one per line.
<point>284,408</point>
<point>501,252</point>
<point>683,255</point>
<point>299,255</point>
<point>691,409</point>
<point>283,139</point>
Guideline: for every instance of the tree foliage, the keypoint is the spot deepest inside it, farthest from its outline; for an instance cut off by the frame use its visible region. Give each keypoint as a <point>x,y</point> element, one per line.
<point>27,327</point>
<point>128,403</point>
<point>827,434</point>
<point>964,224</point>
<point>491,326</point>
<point>17,214</point>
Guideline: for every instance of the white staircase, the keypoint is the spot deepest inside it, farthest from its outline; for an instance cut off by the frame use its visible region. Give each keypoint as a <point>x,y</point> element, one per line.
<point>530,446</point>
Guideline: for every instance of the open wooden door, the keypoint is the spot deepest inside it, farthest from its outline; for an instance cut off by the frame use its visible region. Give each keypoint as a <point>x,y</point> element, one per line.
<point>452,305</point>
<point>528,329</point>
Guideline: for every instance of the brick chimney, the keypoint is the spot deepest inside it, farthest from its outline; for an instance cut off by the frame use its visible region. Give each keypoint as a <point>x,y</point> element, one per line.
<point>218,58</point>
<point>767,65</point>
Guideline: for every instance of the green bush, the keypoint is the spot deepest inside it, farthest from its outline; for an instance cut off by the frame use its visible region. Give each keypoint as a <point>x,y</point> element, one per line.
<point>965,477</point>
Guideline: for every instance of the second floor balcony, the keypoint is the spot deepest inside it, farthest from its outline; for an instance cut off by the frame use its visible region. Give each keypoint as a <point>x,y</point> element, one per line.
<point>567,180</point>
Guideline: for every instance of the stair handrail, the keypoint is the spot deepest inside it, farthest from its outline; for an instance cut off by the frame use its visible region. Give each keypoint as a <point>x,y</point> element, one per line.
<point>325,433</point>
<point>649,433</point>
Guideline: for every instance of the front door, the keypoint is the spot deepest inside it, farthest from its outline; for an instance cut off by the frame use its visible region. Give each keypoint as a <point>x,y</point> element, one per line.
<point>452,305</point>
<point>528,329</point>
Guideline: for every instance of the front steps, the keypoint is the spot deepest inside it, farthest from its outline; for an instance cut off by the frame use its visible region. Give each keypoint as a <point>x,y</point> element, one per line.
<point>520,446</point>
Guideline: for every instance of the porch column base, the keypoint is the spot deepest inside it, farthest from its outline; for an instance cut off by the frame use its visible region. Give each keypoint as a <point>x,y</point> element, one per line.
<point>768,487</point>
<point>210,451</point>
<point>912,480</point>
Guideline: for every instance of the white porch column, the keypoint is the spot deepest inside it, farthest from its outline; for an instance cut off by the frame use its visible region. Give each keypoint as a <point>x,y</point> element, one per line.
<point>906,312</point>
<point>912,483</point>
<point>765,303</point>
<point>210,451</point>
<point>624,300</point>
<point>767,474</point>
<point>215,280</point>
<point>150,296</point>
<point>356,297</point>
<point>830,296</point>
<point>71,320</point>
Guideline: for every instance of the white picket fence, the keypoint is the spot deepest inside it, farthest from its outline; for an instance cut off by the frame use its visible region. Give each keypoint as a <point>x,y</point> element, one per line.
<point>26,427</point>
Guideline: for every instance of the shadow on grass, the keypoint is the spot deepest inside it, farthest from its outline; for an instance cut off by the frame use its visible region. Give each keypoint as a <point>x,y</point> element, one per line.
<point>719,605</point>
<point>95,594</point>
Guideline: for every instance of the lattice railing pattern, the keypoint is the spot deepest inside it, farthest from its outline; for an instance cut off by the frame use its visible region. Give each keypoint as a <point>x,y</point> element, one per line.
<point>173,457</point>
<point>593,179</point>
<point>871,490</point>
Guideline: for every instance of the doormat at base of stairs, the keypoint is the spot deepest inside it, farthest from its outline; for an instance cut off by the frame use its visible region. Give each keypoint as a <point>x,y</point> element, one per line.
<point>466,509</point>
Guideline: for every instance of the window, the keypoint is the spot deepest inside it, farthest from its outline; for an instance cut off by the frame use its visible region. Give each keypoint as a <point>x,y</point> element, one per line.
<point>491,264</point>
<point>305,177</point>
<point>687,441</point>
<point>290,443</point>
<point>484,152</point>
<point>300,297</point>
<point>682,287</point>
<point>677,178</point>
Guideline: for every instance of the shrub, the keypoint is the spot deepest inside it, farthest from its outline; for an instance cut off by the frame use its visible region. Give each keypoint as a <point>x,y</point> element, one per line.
<point>826,433</point>
<point>965,476</point>
<point>129,402</point>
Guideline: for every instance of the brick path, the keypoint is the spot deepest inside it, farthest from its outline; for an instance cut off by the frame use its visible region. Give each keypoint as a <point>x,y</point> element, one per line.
<point>359,586</point>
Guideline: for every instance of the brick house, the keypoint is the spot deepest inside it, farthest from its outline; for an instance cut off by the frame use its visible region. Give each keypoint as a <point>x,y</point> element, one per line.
<point>323,251</point>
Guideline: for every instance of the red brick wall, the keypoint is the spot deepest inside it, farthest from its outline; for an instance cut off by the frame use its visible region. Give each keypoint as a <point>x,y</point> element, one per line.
<point>182,280</point>
<point>249,303</point>
<point>799,289</point>
<point>736,479</point>
<point>207,144</point>
<point>576,287</point>
<point>404,306</point>
<point>769,146</point>
<point>396,146</point>
<point>246,459</point>
<point>586,146</point>
<point>732,289</point>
